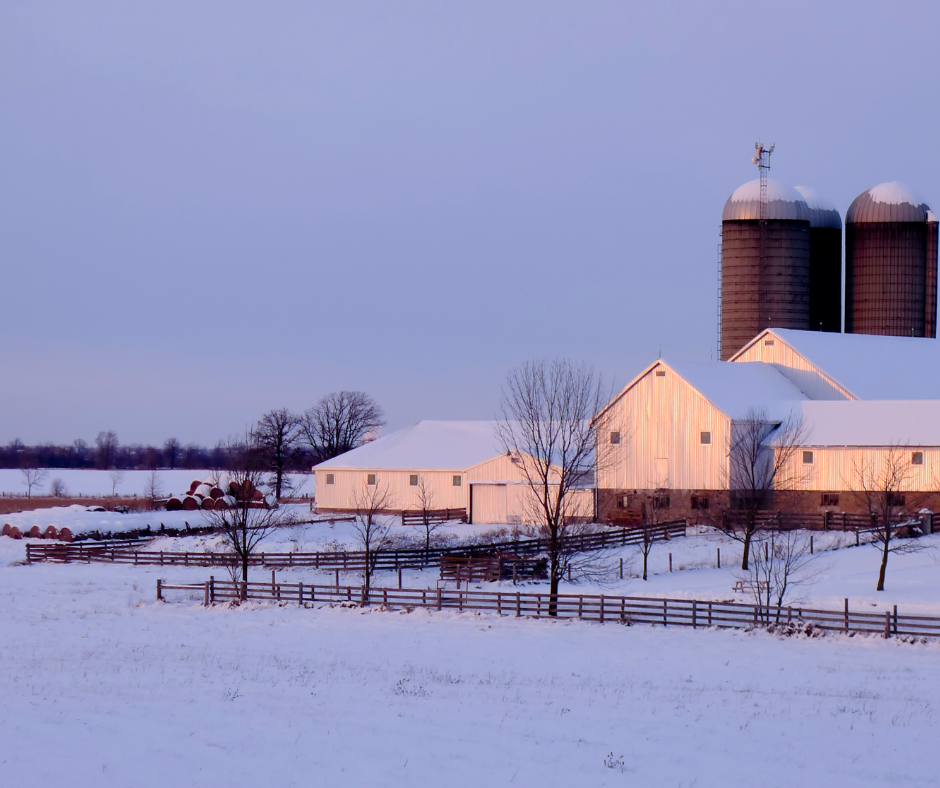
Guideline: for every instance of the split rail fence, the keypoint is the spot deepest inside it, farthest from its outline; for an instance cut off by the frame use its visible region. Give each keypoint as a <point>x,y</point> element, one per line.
<point>589,607</point>
<point>346,561</point>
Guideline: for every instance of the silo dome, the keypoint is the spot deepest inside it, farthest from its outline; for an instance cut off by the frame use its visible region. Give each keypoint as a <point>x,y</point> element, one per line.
<point>890,263</point>
<point>825,262</point>
<point>887,202</point>
<point>782,203</point>
<point>823,213</point>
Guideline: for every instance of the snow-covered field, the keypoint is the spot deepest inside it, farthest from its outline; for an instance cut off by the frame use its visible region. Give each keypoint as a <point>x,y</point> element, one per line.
<point>103,686</point>
<point>91,483</point>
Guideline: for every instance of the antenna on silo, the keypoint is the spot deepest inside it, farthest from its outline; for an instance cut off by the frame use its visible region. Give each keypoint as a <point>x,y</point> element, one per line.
<point>762,160</point>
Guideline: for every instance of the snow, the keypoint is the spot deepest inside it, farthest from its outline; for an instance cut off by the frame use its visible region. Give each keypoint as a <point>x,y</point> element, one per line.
<point>736,388</point>
<point>872,422</point>
<point>97,483</point>
<point>895,193</point>
<point>104,686</point>
<point>783,202</point>
<point>871,367</point>
<point>445,445</point>
<point>814,200</point>
<point>823,212</point>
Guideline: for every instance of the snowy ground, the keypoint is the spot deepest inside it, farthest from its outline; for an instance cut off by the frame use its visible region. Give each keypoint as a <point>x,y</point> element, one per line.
<point>91,483</point>
<point>103,686</point>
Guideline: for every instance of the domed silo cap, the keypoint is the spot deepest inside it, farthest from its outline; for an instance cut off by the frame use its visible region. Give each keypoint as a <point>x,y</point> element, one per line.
<point>782,203</point>
<point>887,202</point>
<point>822,212</point>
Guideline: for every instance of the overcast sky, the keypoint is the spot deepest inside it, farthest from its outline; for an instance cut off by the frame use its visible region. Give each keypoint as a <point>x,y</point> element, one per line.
<point>208,210</point>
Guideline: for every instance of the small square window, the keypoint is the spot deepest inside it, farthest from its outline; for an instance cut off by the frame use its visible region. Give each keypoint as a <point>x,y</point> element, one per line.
<point>896,499</point>
<point>768,343</point>
<point>413,480</point>
<point>829,499</point>
<point>615,438</point>
<point>458,480</point>
<point>661,501</point>
<point>706,438</point>
<point>370,479</point>
<point>700,502</point>
<point>330,478</point>
<point>660,373</point>
<point>917,458</point>
<point>807,458</point>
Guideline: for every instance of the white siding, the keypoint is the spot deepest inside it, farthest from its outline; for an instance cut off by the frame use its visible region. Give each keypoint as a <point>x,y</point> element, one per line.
<point>815,383</point>
<point>836,469</point>
<point>351,482</point>
<point>661,419</point>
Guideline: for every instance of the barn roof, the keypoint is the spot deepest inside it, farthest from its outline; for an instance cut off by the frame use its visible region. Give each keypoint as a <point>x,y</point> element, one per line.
<point>427,445</point>
<point>871,422</point>
<point>868,366</point>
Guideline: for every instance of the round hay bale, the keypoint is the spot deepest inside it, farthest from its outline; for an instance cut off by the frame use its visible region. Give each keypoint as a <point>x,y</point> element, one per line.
<point>226,502</point>
<point>35,532</point>
<point>173,504</point>
<point>208,503</point>
<point>15,533</point>
<point>216,493</point>
<point>6,529</point>
<point>225,479</point>
<point>65,534</point>
<point>203,490</point>
<point>51,533</point>
<point>190,504</point>
<point>193,485</point>
<point>235,489</point>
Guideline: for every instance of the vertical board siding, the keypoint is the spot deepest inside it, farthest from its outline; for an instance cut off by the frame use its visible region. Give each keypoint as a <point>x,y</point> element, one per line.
<point>351,482</point>
<point>808,377</point>
<point>660,420</point>
<point>835,469</point>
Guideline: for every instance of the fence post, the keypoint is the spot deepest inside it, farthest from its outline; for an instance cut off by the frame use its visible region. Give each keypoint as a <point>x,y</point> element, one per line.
<point>300,593</point>
<point>212,589</point>
<point>847,609</point>
<point>895,620</point>
<point>438,598</point>
<point>719,557</point>
<point>518,605</point>
<point>665,613</point>
<point>621,569</point>
<point>856,537</point>
<point>243,590</point>
<point>694,623</point>
<point>811,544</point>
<point>337,580</point>
<point>887,625</point>
<point>709,614</point>
<point>670,562</point>
<point>273,590</point>
<point>399,578</point>
<point>159,590</point>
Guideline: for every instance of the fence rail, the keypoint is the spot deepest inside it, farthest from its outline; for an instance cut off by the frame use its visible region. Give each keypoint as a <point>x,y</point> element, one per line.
<point>346,561</point>
<point>784,520</point>
<point>692,613</point>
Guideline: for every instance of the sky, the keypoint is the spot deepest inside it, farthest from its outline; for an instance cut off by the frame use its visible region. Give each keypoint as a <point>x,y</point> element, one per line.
<point>209,210</point>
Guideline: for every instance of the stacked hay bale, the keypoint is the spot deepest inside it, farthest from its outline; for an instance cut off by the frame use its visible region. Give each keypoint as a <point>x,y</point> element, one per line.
<point>217,493</point>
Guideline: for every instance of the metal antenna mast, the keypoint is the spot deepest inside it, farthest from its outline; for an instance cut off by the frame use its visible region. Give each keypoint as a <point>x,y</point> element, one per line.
<point>762,160</point>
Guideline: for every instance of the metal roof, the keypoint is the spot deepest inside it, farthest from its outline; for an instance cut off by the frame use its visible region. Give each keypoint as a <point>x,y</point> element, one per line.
<point>822,212</point>
<point>871,422</point>
<point>782,203</point>
<point>887,202</point>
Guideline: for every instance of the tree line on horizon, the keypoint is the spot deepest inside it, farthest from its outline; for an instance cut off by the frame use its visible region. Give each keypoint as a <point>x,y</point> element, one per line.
<point>280,442</point>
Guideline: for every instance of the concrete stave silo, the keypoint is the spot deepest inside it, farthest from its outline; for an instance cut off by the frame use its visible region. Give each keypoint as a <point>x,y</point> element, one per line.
<point>825,262</point>
<point>890,264</point>
<point>765,266</point>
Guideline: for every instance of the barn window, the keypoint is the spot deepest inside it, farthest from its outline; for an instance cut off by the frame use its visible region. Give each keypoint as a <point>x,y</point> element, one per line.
<point>917,458</point>
<point>615,438</point>
<point>660,373</point>
<point>413,480</point>
<point>700,502</point>
<point>706,438</point>
<point>458,481</point>
<point>370,479</point>
<point>768,343</point>
<point>661,501</point>
<point>829,499</point>
<point>330,478</point>
<point>807,458</point>
<point>896,499</point>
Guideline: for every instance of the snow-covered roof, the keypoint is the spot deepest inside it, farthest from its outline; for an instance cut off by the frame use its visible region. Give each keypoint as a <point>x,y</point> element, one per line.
<point>888,202</point>
<point>822,212</point>
<point>736,389</point>
<point>427,445</point>
<point>869,366</point>
<point>871,422</point>
<point>782,203</point>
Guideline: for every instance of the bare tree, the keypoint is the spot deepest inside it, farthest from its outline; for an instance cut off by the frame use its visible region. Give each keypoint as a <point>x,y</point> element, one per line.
<point>171,452</point>
<point>424,496</point>
<point>880,488</point>
<point>33,477</point>
<point>57,488</point>
<point>761,461</point>
<point>547,412</point>
<point>778,565</point>
<point>116,477</point>
<point>153,488</point>
<point>275,437</point>
<point>653,510</point>
<point>341,421</point>
<point>247,522</point>
<point>106,445</point>
<point>373,532</point>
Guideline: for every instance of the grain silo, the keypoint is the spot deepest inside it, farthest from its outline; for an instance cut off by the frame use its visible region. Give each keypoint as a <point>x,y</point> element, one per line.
<point>825,262</point>
<point>765,263</point>
<point>890,264</point>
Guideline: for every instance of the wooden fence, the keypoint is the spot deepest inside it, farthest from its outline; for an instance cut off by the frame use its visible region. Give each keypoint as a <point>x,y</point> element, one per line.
<point>820,521</point>
<point>434,516</point>
<point>589,607</point>
<point>346,561</point>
